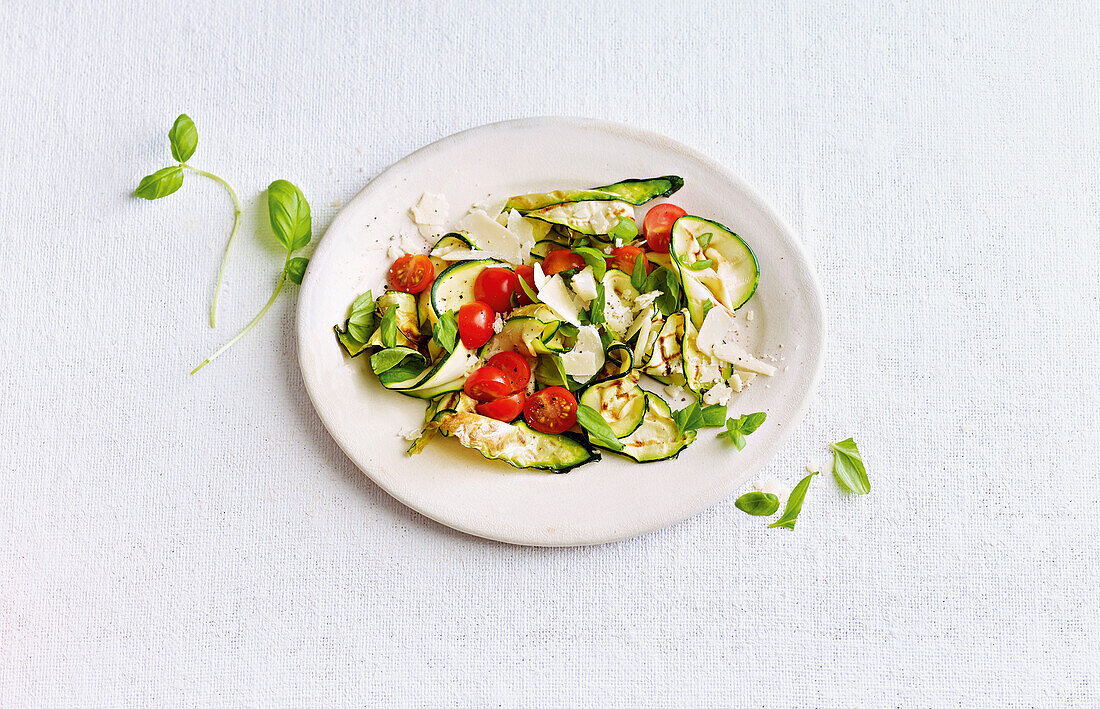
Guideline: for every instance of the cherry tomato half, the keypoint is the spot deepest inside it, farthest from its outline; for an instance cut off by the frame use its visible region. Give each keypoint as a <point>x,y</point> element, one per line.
<point>515,367</point>
<point>486,384</point>
<point>475,324</point>
<point>658,226</point>
<point>561,260</point>
<point>506,408</point>
<point>624,257</point>
<point>527,273</point>
<point>551,410</point>
<point>411,274</point>
<point>495,286</point>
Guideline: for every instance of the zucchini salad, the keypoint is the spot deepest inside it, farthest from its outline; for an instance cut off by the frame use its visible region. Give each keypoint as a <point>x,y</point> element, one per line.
<point>530,329</point>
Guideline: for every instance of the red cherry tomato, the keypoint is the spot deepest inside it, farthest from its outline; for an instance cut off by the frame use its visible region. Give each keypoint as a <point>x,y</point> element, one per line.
<point>624,257</point>
<point>486,384</point>
<point>411,274</point>
<point>561,260</point>
<point>506,408</point>
<point>515,367</point>
<point>551,410</point>
<point>475,324</point>
<point>658,226</point>
<point>495,286</point>
<point>527,273</point>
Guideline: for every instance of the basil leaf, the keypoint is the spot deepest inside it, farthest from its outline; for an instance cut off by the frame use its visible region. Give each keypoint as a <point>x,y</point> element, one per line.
<point>704,240</point>
<point>701,265</point>
<point>583,241</point>
<point>638,276</point>
<point>707,305</point>
<point>161,183</point>
<point>389,327</point>
<point>184,137</point>
<point>597,427</point>
<point>445,332</point>
<point>848,467</point>
<point>290,217</point>
<point>713,416</point>
<point>595,312</point>
<point>361,319</point>
<point>626,230</point>
<point>411,364</point>
<point>387,359</point>
<point>758,504</point>
<point>794,504</point>
<point>751,422</point>
<point>689,418</point>
<point>352,345</point>
<point>528,290</point>
<point>596,259</point>
<point>296,269</point>
<point>568,330</point>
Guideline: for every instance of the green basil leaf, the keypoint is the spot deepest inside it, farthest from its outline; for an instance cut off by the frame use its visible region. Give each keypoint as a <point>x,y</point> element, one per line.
<point>751,422</point>
<point>290,217</point>
<point>626,230</point>
<point>848,467</point>
<point>701,265</point>
<point>638,276</point>
<point>528,290</point>
<point>758,504</point>
<point>352,345</point>
<point>161,183</point>
<point>410,365</point>
<point>689,418</point>
<point>296,269</point>
<point>184,137</point>
<point>361,319</point>
<point>595,311</point>
<point>583,241</point>
<point>597,427</point>
<point>387,359</point>
<point>794,504</point>
<point>714,416</point>
<point>388,327</point>
<point>596,259</point>
<point>445,332</point>
<point>704,240</point>
<point>568,330</point>
<point>739,440</point>
<point>707,305</point>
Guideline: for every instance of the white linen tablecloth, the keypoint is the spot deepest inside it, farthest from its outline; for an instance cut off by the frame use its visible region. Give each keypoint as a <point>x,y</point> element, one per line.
<point>184,541</point>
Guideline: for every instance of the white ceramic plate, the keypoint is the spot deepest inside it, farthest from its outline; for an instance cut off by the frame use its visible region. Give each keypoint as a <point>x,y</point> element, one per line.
<point>601,502</point>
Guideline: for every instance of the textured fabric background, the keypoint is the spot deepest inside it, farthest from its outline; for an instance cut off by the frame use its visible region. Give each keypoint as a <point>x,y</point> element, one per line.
<point>181,541</point>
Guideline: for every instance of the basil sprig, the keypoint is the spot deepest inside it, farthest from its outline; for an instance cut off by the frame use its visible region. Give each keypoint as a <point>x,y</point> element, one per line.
<point>758,504</point>
<point>183,137</point>
<point>738,428</point>
<point>794,504</point>
<point>292,225</point>
<point>667,282</point>
<point>848,467</point>
<point>692,417</point>
<point>597,427</point>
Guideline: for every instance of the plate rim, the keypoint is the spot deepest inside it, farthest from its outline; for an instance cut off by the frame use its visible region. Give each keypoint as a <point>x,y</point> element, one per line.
<point>622,130</point>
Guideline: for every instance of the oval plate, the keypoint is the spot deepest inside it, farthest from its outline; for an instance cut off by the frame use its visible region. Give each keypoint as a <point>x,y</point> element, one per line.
<point>601,502</point>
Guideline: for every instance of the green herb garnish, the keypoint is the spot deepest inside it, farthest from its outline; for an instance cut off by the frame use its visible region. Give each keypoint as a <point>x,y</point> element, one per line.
<point>445,332</point>
<point>388,327</point>
<point>794,504</point>
<point>293,227</point>
<point>183,137</point>
<point>528,290</point>
<point>596,259</point>
<point>595,311</point>
<point>704,241</point>
<point>758,504</point>
<point>848,467</point>
<point>738,428</point>
<point>701,265</point>
<point>693,417</point>
<point>597,427</point>
<point>626,231</point>
<point>639,274</point>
